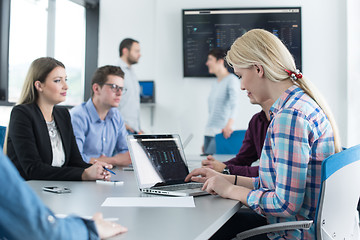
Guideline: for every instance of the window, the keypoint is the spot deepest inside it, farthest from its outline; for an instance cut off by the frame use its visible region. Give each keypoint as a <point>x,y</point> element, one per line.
<point>64,29</point>
<point>70,47</point>
<point>27,40</point>
<point>47,28</point>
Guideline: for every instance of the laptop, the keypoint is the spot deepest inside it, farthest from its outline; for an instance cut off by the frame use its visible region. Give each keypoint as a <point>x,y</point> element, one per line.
<point>160,166</point>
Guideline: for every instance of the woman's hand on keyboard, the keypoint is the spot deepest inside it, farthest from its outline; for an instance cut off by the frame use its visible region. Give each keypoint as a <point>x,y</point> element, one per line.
<point>201,175</point>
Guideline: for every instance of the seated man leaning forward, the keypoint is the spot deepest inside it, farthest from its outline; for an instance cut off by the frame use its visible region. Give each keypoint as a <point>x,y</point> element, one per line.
<point>251,147</point>
<point>98,126</point>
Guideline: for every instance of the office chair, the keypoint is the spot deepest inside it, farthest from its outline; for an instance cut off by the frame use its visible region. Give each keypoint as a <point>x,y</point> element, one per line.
<point>2,135</point>
<point>231,145</point>
<point>336,214</point>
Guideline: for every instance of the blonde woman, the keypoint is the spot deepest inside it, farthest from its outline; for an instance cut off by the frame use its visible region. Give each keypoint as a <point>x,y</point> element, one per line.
<point>301,134</point>
<point>40,141</point>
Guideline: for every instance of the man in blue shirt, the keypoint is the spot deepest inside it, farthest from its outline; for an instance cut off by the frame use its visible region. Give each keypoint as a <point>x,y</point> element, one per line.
<point>24,216</point>
<point>98,126</point>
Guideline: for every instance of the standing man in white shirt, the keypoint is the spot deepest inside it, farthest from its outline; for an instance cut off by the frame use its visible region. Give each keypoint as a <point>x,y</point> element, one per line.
<point>129,107</point>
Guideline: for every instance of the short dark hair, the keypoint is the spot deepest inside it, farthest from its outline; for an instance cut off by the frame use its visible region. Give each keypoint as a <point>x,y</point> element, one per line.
<point>126,43</point>
<point>101,74</point>
<point>218,53</point>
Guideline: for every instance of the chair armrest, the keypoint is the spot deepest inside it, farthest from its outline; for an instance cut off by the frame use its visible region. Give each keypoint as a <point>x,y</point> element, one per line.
<point>306,224</point>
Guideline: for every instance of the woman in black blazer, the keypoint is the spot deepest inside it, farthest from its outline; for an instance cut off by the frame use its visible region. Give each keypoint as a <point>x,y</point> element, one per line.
<point>41,142</point>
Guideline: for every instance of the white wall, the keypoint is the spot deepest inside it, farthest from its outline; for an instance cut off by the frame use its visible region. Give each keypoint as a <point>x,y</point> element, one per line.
<point>353,69</point>
<point>182,102</point>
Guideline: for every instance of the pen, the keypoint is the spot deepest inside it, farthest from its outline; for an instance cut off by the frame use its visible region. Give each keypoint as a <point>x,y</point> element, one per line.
<point>109,170</point>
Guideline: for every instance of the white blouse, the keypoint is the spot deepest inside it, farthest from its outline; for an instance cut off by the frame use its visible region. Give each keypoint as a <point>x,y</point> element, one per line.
<point>56,145</point>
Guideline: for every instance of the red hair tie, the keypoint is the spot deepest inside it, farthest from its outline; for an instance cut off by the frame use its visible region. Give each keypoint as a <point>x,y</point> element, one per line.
<point>294,75</point>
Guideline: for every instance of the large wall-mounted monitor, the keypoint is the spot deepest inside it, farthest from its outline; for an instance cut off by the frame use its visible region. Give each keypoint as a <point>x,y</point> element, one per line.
<point>205,29</point>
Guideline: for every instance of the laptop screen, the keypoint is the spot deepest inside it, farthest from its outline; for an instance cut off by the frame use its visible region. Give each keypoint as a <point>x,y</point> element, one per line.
<point>157,159</point>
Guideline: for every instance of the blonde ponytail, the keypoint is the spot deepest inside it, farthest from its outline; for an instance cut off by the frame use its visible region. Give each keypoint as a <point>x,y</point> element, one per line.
<point>310,89</point>
<point>263,48</point>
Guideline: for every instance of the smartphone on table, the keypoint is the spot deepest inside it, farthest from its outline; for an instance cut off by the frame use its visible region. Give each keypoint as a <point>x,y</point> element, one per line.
<point>56,189</point>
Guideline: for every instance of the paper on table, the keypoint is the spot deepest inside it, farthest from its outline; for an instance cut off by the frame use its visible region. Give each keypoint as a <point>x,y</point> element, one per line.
<point>149,202</point>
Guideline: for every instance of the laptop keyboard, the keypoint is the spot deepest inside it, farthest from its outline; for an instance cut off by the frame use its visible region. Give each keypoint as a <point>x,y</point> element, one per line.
<point>180,186</point>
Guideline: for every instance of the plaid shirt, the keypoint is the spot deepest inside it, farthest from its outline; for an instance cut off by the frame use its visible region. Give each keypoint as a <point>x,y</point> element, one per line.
<point>298,139</point>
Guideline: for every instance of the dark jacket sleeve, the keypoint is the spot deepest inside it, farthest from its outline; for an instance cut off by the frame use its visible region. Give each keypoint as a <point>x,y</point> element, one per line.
<point>29,146</point>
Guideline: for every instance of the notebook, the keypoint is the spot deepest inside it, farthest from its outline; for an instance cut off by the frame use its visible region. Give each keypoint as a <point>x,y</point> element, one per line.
<point>160,166</point>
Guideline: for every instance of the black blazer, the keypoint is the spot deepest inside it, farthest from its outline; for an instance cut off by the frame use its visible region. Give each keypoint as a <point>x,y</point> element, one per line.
<point>29,146</point>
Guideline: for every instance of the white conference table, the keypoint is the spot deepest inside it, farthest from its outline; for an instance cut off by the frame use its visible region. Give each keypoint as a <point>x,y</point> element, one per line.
<point>201,222</point>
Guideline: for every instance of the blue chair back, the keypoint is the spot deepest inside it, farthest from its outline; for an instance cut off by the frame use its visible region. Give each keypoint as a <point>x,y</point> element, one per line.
<point>337,214</point>
<point>231,145</point>
<point>2,135</point>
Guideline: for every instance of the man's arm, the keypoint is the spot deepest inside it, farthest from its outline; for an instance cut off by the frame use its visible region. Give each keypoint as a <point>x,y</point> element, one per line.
<point>120,159</point>
<point>121,151</point>
<point>241,163</point>
<point>130,129</point>
<point>79,126</point>
<point>248,171</point>
<point>212,163</point>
